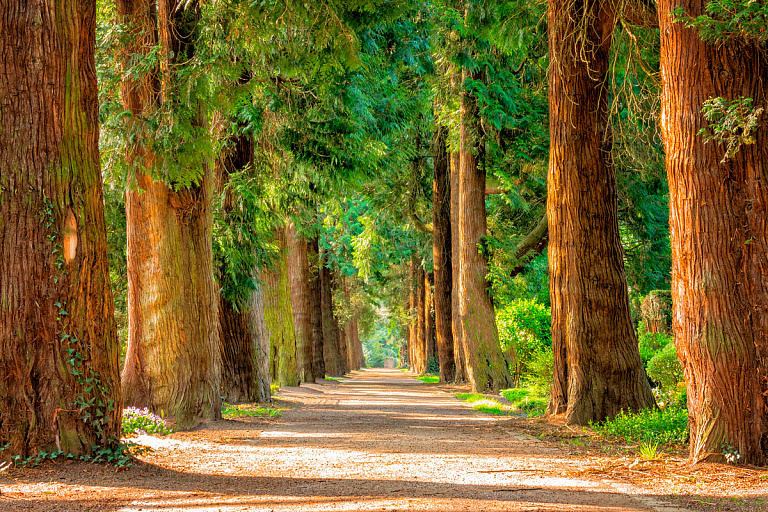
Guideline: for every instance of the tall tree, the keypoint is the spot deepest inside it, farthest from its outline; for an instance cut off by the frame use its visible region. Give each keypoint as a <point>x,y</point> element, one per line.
<point>173,363</point>
<point>58,341</point>
<point>441,250</point>
<point>718,230</point>
<point>487,368</point>
<point>598,371</point>
<point>298,270</point>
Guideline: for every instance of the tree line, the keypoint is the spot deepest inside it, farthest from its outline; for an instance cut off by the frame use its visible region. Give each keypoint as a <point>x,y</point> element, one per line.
<point>280,164</point>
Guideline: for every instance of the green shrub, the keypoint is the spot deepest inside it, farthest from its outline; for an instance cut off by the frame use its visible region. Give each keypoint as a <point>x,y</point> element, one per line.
<point>664,367</point>
<point>531,399</point>
<point>663,426</point>
<point>524,329</point>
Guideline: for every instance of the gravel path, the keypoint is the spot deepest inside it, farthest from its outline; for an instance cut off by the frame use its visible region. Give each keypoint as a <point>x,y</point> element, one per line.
<point>379,440</point>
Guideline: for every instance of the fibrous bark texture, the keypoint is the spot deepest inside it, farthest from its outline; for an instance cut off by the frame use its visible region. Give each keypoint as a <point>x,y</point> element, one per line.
<point>173,360</point>
<point>57,325</point>
<point>278,313</point>
<point>597,370</point>
<point>315,307</point>
<point>331,354</point>
<point>298,270</point>
<point>456,327</point>
<point>441,252</point>
<point>487,368</point>
<point>719,240</point>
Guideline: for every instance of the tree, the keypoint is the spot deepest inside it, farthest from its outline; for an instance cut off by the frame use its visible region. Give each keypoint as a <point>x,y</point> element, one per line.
<point>173,363</point>
<point>486,366</point>
<point>717,225</point>
<point>441,221</point>
<point>598,371</point>
<point>58,340</point>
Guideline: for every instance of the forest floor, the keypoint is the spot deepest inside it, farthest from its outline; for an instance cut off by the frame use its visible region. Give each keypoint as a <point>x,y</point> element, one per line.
<point>382,441</point>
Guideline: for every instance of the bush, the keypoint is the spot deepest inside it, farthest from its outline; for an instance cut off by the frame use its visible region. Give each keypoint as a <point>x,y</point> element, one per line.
<point>663,426</point>
<point>524,329</point>
<point>664,367</point>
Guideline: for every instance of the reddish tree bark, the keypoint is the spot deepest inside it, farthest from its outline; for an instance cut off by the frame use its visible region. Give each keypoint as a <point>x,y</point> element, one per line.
<point>298,270</point>
<point>57,325</point>
<point>459,357</point>
<point>173,362</point>
<point>597,367</point>
<point>719,240</point>
<point>315,307</point>
<point>441,252</point>
<point>487,368</point>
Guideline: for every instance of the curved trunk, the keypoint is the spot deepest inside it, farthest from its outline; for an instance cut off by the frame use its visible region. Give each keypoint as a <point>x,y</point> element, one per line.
<point>57,326</point>
<point>441,252</point>
<point>487,368</point>
<point>298,269</point>
<point>597,366</point>
<point>315,308</point>
<point>719,241</point>
<point>459,357</point>
<point>278,314</point>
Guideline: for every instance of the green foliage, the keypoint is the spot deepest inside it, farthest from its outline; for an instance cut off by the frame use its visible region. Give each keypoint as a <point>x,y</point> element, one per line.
<point>745,20</point>
<point>664,367</point>
<point>524,330</point>
<point>141,421</point>
<point>730,123</point>
<point>662,426</point>
<point>532,399</point>
<point>249,410</point>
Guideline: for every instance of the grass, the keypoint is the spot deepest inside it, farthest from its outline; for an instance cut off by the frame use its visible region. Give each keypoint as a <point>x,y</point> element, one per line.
<point>662,426</point>
<point>483,404</point>
<point>249,410</point>
<point>429,378</point>
<point>531,399</point>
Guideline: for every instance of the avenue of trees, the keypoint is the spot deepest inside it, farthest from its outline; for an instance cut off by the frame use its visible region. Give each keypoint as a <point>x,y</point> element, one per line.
<point>203,199</point>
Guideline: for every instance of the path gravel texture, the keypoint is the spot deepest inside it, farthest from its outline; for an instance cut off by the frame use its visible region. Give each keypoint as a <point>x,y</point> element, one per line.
<point>378,441</point>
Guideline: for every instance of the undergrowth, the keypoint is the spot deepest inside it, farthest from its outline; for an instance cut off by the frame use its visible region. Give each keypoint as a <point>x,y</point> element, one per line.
<point>663,426</point>
<point>250,410</point>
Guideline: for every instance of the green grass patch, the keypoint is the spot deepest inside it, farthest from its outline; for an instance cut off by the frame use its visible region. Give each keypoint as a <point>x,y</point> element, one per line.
<point>483,404</point>
<point>531,399</point>
<point>249,410</point>
<point>429,378</point>
<point>662,426</point>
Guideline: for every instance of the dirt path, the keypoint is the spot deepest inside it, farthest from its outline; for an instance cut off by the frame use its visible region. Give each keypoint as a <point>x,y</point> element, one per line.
<point>378,441</point>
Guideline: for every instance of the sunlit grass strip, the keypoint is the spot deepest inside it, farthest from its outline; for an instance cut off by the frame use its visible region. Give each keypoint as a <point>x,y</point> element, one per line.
<point>249,410</point>
<point>429,378</point>
<point>483,404</point>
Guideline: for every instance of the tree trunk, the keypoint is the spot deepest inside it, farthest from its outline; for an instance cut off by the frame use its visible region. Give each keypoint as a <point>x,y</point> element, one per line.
<point>430,342</point>
<point>441,252</point>
<point>243,336</point>
<point>315,308</point>
<point>57,325</point>
<point>244,350</point>
<point>421,322</point>
<point>597,367</point>
<point>298,269</point>
<point>719,241</point>
<point>278,313</point>
<point>487,368</point>
<point>333,364</point>
<point>459,357</point>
